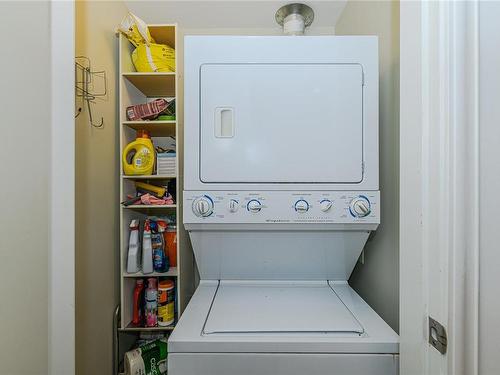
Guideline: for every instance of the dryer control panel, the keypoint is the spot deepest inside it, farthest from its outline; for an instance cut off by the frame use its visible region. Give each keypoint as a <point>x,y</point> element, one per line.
<point>342,207</point>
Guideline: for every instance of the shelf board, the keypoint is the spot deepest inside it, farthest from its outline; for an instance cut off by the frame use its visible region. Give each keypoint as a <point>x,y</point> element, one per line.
<point>149,74</point>
<point>154,85</point>
<point>130,327</point>
<point>150,177</point>
<point>153,206</point>
<point>172,272</point>
<point>150,209</point>
<point>155,128</point>
<point>144,122</point>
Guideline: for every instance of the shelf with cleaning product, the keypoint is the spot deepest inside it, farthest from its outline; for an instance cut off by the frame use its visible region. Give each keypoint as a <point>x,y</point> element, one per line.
<point>151,269</point>
<point>156,262</point>
<point>149,175</point>
<point>153,303</point>
<point>155,195</point>
<point>154,251</point>
<point>150,249</point>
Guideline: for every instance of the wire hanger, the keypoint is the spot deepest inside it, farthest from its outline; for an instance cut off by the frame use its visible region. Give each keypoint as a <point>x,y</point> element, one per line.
<point>86,82</point>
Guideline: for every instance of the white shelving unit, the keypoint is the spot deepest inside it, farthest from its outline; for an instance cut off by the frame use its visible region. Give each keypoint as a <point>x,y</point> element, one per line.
<point>137,88</point>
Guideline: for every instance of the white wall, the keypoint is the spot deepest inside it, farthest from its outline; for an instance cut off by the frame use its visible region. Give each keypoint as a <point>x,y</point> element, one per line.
<point>489,187</point>
<point>377,280</point>
<point>231,14</point>
<point>25,170</point>
<point>97,193</point>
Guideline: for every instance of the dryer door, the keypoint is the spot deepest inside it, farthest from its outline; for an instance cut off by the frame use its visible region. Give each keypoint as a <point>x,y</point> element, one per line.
<point>277,123</point>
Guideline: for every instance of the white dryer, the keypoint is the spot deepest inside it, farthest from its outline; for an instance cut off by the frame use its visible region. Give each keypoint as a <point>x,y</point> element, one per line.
<point>281,194</point>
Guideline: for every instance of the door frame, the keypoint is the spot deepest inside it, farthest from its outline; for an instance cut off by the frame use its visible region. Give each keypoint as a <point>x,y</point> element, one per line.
<point>61,324</point>
<point>439,205</point>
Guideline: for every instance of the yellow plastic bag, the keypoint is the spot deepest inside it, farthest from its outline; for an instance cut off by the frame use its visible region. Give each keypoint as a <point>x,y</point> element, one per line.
<point>136,30</point>
<point>154,58</point>
<point>148,55</point>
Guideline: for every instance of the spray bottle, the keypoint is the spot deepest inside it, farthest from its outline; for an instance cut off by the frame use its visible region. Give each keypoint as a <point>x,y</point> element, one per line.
<point>134,250</point>
<point>152,303</point>
<point>147,249</point>
<point>137,308</point>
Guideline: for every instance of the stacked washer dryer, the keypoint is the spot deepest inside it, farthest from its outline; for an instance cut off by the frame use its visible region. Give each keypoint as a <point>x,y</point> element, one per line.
<point>281,194</point>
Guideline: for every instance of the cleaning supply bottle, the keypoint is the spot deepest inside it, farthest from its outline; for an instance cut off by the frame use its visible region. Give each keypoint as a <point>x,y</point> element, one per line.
<point>166,302</point>
<point>160,256</point>
<point>138,157</point>
<point>134,250</point>
<point>147,249</point>
<point>136,313</point>
<point>160,261</point>
<point>170,237</point>
<point>151,303</point>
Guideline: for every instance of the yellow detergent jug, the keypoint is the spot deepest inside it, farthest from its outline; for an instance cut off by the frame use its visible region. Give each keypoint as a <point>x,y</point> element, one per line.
<point>139,156</point>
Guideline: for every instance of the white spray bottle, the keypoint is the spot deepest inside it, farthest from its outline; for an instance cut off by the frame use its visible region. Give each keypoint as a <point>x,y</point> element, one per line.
<point>134,250</point>
<point>147,249</point>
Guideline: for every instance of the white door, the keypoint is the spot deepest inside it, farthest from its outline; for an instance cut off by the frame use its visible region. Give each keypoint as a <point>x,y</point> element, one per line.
<point>439,188</point>
<point>489,110</point>
<point>253,116</point>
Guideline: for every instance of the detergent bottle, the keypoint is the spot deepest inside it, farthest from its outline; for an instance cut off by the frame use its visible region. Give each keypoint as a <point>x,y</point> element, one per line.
<point>139,156</point>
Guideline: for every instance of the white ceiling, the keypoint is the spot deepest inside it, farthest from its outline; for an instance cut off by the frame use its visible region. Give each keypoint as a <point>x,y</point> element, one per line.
<point>256,14</point>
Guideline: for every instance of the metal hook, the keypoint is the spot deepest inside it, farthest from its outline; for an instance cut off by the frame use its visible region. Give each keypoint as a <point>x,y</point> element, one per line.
<point>92,120</point>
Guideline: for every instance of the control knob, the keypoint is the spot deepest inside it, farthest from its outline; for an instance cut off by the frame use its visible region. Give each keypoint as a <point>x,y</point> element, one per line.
<point>325,205</point>
<point>203,206</point>
<point>360,206</point>
<point>254,206</point>
<point>301,206</point>
<point>233,205</point>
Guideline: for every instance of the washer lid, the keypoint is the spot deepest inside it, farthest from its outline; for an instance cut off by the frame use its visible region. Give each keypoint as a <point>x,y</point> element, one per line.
<point>279,307</point>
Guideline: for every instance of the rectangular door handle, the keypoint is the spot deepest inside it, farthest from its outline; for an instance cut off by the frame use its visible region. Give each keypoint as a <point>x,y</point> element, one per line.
<point>224,122</point>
